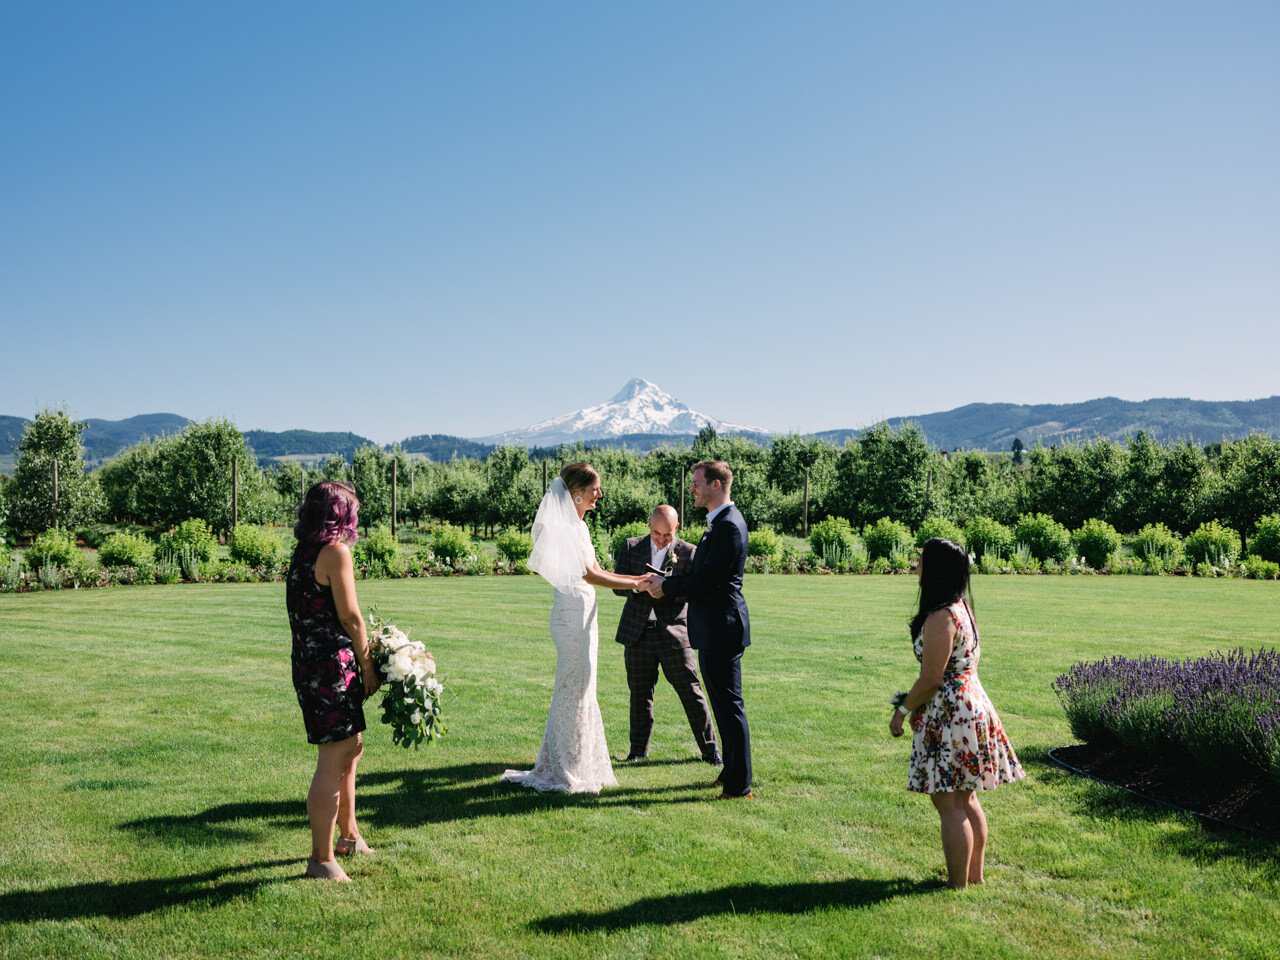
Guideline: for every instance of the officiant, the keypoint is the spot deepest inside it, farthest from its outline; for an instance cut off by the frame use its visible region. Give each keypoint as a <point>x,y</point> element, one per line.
<point>655,635</point>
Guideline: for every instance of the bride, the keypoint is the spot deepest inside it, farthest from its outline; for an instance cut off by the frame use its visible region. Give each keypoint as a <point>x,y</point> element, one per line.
<point>573,757</point>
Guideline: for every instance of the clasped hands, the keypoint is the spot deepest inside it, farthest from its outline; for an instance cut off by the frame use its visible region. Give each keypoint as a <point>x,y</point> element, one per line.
<point>651,584</point>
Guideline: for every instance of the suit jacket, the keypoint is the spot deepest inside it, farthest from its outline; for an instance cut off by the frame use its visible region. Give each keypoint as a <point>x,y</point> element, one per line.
<point>717,610</point>
<point>670,610</point>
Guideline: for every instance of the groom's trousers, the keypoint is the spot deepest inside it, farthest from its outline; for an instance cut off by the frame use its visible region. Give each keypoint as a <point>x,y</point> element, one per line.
<point>722,683</point>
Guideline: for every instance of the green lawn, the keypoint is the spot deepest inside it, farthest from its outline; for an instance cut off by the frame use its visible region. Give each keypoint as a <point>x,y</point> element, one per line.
<point>152,799</point>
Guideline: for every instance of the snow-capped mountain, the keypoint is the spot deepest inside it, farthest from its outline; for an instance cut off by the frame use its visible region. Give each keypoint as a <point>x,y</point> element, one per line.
<point>639,407</point>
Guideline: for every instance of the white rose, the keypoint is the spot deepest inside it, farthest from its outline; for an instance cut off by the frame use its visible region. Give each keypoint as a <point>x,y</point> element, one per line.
<point>416,718</point>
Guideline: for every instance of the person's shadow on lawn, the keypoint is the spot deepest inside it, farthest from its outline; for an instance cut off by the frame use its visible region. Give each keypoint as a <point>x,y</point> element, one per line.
<point>132,898</point>
<point>418,797</point>
<point>742,898</point>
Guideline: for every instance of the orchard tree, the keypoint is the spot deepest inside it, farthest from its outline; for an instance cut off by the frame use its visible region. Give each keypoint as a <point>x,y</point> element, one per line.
<point>371,476</point>
<point>53,438</point>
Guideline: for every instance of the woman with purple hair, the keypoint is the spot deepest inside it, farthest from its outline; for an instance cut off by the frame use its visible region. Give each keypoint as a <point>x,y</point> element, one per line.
<point>332,669</point>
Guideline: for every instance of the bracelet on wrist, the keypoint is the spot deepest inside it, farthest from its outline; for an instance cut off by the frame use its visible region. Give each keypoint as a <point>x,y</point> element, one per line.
<point>902,709</point>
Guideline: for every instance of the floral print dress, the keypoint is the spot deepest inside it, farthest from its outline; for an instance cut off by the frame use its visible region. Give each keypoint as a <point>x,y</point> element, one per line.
<point>324,663</point>
<point>959,743</point>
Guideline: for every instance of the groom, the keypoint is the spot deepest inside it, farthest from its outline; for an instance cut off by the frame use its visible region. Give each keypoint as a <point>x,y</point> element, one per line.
<point>654,634</point>
<point>719,628</point>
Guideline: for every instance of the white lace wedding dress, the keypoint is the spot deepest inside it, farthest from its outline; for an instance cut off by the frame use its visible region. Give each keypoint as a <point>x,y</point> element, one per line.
<point>574,757</point>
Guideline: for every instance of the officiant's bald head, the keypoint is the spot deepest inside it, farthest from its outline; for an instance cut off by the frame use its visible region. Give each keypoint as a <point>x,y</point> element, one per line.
<point>663,523</point>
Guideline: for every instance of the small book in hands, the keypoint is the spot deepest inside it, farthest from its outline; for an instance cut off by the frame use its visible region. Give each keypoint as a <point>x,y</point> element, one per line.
<point>652,569</point>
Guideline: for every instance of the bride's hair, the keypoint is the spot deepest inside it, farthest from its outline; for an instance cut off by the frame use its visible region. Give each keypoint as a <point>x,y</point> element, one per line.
<point>579,476</point>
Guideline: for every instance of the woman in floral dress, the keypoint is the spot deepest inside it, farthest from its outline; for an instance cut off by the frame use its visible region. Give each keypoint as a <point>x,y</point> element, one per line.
<point>329,641</point>
<point>959,746</point>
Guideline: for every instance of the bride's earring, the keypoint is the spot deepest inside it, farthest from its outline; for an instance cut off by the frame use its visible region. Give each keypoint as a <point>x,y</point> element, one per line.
<point>577,499</point>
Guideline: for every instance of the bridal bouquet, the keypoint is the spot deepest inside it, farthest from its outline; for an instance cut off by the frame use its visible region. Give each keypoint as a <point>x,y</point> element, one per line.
<point>411,704</point>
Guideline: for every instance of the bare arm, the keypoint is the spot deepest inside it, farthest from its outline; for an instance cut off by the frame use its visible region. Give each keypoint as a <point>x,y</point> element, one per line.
<point>335,570</point>
<point>939,637</point>
<point>622,565</point>
<point>602,578</point>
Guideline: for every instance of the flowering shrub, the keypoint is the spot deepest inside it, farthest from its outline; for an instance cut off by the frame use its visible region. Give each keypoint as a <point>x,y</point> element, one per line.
<point>257,546</point>
<point>939,527</point>
<point>378,554</point>
<point>984,535</point>
<point>55,548</point>
<point>1259,569</point>
<point>1265,542</point>
<point>126,550</point>
<point>619,537</point>
<point>1223,709</point>
<point>886,536</point>
<point>832,534</point>
<point>1158,546</point>
<point>514,546</point>
<point>1212,544</point>
<point>765,543</point>
<point>450,544</point>
<point>193,535</point>
<point>1096,541</point>
<point>1044,536</point>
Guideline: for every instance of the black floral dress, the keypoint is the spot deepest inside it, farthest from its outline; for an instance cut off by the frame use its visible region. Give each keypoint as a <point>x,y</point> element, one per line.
<point>324,663</point>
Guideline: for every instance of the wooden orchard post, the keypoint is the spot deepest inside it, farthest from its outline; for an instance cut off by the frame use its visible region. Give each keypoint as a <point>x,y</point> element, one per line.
<point>55,491</point>
<point>235,492</point>
<point>544,478</point>
<point>804,529</point>
<point>395,471</point>
<point>682,496</point>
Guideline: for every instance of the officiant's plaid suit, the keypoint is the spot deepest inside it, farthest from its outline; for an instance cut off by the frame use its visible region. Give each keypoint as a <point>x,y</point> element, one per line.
<point>661,640</point>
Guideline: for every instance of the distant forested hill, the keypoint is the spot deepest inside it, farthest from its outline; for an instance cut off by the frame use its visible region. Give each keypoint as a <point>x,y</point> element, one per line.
<point>105,438</point>
<point>993,426</point>
<point>268,445</point>
<point>441,447</point>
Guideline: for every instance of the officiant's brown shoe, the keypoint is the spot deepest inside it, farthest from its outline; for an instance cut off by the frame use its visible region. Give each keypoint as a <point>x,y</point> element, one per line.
<point>735,796</point>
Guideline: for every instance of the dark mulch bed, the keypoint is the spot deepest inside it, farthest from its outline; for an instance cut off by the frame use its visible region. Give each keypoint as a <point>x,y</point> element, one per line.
<point>1245,799</point>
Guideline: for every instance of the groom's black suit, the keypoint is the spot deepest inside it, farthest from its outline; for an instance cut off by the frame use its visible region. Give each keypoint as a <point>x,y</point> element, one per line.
<point>719,629</point>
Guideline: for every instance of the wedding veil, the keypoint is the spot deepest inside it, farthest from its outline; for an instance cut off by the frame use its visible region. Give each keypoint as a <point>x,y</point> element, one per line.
<point>557,537</point>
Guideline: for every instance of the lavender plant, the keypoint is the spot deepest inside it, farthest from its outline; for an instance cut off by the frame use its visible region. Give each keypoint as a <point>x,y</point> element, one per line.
<point>1222,710</point>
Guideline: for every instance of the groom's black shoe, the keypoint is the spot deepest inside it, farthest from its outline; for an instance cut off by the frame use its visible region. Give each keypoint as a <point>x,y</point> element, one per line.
<point>714,759</point>
<point>633,757</point>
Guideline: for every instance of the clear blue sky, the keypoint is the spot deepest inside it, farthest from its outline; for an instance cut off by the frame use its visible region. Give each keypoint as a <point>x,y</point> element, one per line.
<point>464,217</point>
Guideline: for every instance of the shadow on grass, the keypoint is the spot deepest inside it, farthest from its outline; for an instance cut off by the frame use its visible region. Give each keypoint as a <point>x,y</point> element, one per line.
<point>743,898</point>
<point>133,897</point>
<point>1209,840</point>
<point>415,798</point>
